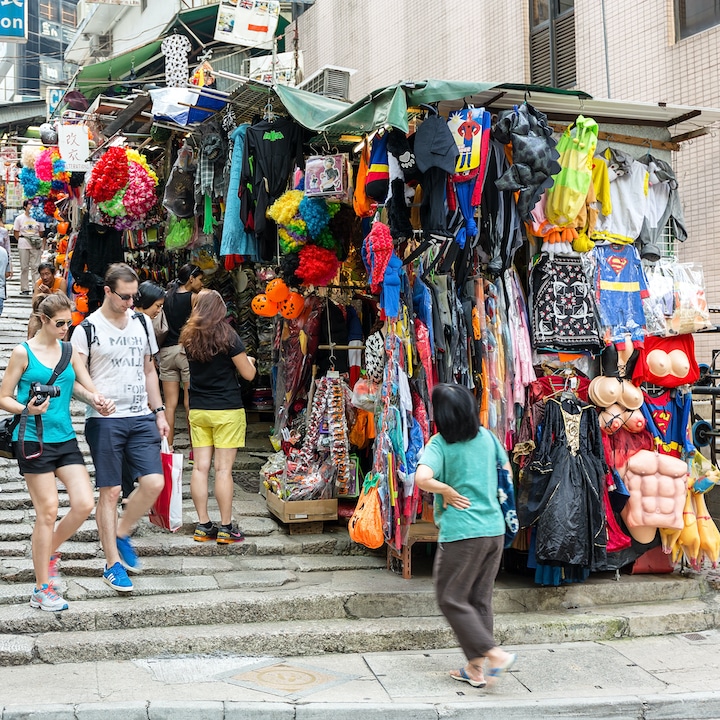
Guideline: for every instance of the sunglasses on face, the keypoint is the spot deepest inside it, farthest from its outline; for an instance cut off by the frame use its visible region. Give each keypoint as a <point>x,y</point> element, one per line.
<point>124,297</point>
<point>60,323</point>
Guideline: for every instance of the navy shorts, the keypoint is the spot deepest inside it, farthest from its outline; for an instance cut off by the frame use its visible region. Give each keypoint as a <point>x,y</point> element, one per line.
<point>54,455</point>
<point>136,439</point>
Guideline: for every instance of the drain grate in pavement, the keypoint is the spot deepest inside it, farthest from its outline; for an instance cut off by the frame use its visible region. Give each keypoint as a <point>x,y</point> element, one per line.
<point>694,636</point>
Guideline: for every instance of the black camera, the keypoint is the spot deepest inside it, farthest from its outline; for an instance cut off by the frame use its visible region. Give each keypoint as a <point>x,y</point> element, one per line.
<point>43,392</point>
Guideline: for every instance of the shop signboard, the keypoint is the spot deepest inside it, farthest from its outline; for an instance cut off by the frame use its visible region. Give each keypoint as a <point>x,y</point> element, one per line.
<point>53,96</point>
<point>112,2</point>
<point>50,29</point>
<point>14,21</point>
<point>74,147</point>
<point>247,22</point>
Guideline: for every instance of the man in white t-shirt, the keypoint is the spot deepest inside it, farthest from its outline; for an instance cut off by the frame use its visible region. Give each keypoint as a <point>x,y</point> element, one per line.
<point>30,242</point>
<point>120,360</point>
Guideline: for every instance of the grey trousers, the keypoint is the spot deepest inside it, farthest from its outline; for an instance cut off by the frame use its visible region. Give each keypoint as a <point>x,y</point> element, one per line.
<point>464,575</point>
<point>29,261</point>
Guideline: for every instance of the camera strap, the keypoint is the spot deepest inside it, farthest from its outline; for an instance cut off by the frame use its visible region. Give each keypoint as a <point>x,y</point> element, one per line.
<point>65,356</point>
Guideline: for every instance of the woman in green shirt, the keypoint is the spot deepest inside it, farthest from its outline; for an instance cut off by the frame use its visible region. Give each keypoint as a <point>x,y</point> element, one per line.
<point>459,465</point>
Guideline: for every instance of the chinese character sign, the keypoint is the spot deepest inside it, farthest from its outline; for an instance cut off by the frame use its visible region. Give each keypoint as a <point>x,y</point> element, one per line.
<point>74,147</point>
<point>13,21</point>
<point>247,22</point>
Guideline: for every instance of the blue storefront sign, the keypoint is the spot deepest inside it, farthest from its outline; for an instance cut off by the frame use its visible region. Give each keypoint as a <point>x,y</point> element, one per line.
<point>13,21</point>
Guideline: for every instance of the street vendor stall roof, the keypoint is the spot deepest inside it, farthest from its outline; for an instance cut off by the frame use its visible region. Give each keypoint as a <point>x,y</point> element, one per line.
<point>391,106</point>
<point>93,78</point>
<point>22,114</point>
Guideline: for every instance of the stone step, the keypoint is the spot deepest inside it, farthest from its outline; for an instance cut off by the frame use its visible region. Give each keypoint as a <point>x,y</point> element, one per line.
<point>282,635</point>
<point>89,562</point>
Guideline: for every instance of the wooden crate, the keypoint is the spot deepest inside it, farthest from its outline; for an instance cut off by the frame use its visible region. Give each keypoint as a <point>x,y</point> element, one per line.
<point>301,511</point>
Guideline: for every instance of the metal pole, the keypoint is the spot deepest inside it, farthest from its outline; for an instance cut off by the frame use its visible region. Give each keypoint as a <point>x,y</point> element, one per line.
<point>605,42</point>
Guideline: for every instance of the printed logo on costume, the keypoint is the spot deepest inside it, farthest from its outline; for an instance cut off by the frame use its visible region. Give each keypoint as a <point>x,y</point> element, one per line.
<point>617,263</point>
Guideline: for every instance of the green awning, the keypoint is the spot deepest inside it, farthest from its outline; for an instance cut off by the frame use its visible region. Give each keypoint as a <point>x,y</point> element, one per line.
<point>386,106</point>
<point>92,79</point>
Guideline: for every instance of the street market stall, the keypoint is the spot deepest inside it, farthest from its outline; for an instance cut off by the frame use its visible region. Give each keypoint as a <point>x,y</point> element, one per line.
<point>514,239</point>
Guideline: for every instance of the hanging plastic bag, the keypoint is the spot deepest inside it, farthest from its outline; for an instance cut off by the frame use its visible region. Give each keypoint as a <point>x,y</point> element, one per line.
<point>570,187</point>
<point>691,313</point>
<point>366,525</point>
<point>703,474</point>
<point>506,498</point>
<point>180,232</point>
<point>167,510</point>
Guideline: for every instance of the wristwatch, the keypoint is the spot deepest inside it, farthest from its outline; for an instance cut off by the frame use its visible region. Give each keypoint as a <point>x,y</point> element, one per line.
<point>159,409</point>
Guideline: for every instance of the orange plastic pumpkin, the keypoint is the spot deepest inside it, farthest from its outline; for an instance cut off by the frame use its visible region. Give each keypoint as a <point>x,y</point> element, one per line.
<point>277,291</point>
<point>81,303</point>
<point>262,306</point>
<point>293,306</point>
<point>63,227</point>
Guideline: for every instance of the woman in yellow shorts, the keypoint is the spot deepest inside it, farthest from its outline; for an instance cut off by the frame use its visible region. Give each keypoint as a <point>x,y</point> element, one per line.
<point>216,355</point>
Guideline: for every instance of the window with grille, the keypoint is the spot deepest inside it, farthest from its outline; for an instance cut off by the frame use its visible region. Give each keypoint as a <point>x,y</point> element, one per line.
<point>694,16</point>
<point>48,11</point>
<point>552,43</point>
<point>668,243</point>
<point>68,15</point>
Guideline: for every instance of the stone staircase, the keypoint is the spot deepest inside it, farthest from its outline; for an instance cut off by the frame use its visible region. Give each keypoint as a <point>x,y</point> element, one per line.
<point>279,594</point>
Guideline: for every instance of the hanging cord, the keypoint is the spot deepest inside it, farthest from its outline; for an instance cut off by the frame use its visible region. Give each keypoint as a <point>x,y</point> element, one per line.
<point>332,357</point>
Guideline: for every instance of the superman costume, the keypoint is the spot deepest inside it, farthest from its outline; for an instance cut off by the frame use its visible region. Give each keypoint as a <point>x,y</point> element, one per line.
<point>667,419</point>
<point>620,286</point>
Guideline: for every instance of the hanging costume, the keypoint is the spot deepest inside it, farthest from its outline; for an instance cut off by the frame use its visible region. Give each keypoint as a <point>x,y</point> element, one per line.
<point>565,481</point>
<point>236,239</point>
<point>271,150</point>
<point>621,287</point>
<point>175,48</point>
<point>564,314</point>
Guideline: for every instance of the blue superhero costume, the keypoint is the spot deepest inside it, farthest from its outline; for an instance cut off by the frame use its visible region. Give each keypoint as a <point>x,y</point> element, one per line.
<point>620,285</point>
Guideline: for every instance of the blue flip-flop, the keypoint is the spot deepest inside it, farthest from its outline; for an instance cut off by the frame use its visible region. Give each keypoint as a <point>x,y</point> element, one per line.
<point>495,673</point>
<point>464,677</point>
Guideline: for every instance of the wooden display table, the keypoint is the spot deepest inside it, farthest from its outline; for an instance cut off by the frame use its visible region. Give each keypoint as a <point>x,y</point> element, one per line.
<point>418,532</point>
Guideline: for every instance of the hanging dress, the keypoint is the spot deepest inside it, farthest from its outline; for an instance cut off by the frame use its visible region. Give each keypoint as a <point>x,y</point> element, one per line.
<point>566,480</point>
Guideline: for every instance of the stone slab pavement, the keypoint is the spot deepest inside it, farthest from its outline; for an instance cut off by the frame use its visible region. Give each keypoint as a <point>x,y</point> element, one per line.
<point>653,678</point>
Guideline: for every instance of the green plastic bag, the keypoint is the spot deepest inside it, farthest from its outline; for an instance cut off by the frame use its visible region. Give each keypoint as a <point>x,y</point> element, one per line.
<point>180,232</point>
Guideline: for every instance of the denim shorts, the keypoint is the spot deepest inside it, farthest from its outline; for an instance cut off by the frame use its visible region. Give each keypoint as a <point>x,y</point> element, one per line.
<point>136,439</point>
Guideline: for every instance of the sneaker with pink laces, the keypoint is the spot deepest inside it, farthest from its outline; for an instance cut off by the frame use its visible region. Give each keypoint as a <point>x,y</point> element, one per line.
<point>46,598</point>
<point>53,569</point>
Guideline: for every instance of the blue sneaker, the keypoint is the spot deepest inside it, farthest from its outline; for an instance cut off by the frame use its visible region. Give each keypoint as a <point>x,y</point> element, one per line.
<point>128,555</point>
<point>117,578</point>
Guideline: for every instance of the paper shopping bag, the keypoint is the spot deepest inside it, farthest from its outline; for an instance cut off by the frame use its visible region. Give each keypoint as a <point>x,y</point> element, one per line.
<point>167,510</point>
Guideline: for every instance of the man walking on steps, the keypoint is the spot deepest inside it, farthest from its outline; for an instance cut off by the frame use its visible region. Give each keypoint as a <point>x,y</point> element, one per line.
<point>119,345</point>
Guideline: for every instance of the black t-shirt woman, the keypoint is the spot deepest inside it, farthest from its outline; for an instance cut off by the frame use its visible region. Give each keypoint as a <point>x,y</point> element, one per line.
<point>217,419</point>
<point>171,358</point>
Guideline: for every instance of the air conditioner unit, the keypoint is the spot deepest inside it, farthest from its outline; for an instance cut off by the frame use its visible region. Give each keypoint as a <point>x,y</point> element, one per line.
<point>101,45</point>
<point>330,81</point>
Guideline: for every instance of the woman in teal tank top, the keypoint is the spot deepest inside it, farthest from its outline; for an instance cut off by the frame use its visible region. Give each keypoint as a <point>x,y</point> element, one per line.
<point>58,457</point>
<point>460,465</point>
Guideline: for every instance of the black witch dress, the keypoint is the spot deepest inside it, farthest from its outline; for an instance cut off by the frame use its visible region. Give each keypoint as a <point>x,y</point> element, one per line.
<point>564,488</point>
